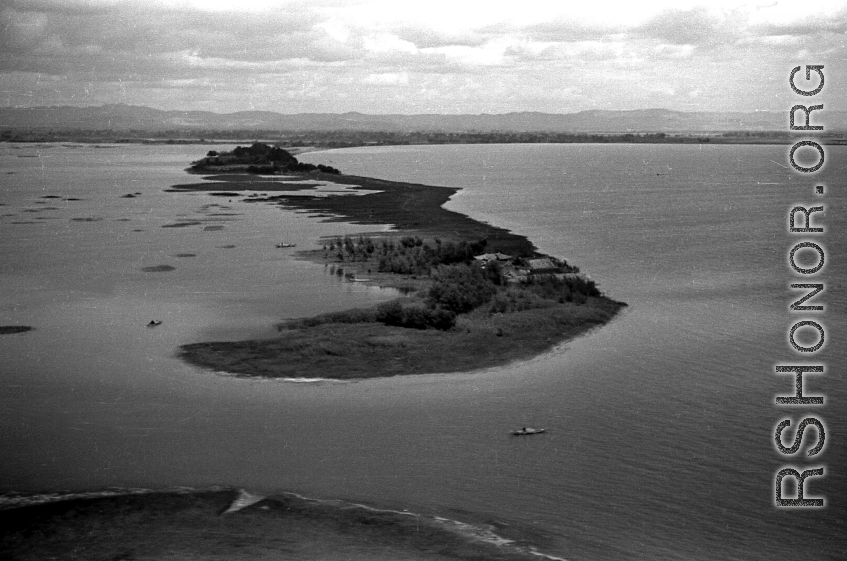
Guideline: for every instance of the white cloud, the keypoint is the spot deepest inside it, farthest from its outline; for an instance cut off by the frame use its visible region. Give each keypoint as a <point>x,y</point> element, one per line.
<point>385,56</point>
<point>673,51</point>
<point>490,54</point>
<point>386,42</point>
<point>387,79</point>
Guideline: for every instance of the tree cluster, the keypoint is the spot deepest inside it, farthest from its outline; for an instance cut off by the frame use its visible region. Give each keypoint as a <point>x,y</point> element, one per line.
<point>460,284</point>
<point>408,256</point>
<point>415,316</point>
<point>543,292</point>
<point>460,288</point>
<point>260,158</point>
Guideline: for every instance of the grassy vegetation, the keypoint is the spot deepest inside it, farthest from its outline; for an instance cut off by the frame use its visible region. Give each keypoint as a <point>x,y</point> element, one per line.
<point>465,316</point>
<point>344,350</point>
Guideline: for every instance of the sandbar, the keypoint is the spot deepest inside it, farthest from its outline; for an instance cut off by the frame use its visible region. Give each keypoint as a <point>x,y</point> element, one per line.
<point>342,348</point>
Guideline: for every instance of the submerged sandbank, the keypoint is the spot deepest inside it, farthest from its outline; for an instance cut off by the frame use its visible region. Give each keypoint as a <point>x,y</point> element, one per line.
<point>231,524</point>
<point>411,208</point>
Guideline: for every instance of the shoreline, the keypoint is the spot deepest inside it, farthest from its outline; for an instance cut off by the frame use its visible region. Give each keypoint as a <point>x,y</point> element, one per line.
<point>336,347</point>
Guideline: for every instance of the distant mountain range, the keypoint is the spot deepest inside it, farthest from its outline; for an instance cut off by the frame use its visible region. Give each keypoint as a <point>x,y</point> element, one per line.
<point>136,118</point>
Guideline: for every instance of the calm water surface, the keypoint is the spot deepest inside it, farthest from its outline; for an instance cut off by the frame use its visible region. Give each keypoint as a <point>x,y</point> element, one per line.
<point>659,425</point>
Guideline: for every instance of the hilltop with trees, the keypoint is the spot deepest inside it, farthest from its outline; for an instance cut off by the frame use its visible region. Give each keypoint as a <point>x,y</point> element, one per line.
<point>259,158</point>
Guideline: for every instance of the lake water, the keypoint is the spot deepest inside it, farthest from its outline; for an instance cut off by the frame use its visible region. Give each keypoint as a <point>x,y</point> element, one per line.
<point>659,442</point>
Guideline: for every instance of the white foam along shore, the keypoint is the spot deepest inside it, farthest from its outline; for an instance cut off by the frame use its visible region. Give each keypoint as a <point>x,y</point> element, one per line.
<point>290,380</point>
<point>479,533</point>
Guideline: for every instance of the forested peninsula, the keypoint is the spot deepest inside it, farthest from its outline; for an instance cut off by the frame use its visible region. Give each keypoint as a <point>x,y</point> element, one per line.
<point>473,295</point>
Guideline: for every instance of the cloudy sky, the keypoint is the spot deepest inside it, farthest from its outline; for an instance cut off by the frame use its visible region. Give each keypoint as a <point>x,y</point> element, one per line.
<point>428,56</point>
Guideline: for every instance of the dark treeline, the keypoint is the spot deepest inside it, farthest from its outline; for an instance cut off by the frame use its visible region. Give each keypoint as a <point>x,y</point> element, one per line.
<point>348,138</point>
<point>409,255</point>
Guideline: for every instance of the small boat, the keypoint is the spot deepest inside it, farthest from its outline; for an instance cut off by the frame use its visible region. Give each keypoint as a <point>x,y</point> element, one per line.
<point>286,245</point>
<point>154,323</point>
<point>527,431</point>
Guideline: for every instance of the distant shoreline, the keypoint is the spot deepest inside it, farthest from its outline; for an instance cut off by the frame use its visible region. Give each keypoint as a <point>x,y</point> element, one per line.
<point>311,140</point>
<point>354,344</point>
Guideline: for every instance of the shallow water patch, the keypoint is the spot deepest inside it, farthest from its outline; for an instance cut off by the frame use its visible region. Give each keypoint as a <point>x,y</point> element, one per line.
<point>14,329</point>
<point>158,269</point>
<point>182,224</point>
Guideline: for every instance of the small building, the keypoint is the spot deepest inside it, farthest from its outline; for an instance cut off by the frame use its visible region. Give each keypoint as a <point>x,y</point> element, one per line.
<point>542,266</point>
<point>486,258</point>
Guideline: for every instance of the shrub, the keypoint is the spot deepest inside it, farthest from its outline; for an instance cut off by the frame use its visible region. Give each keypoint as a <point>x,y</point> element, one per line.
<point>460,288</point>
<point>516,300</point>
<point>414,316</point>
<point>328,169</point>
<point>442,319</point>
<point>572,289</point>
<point>390,313</point>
